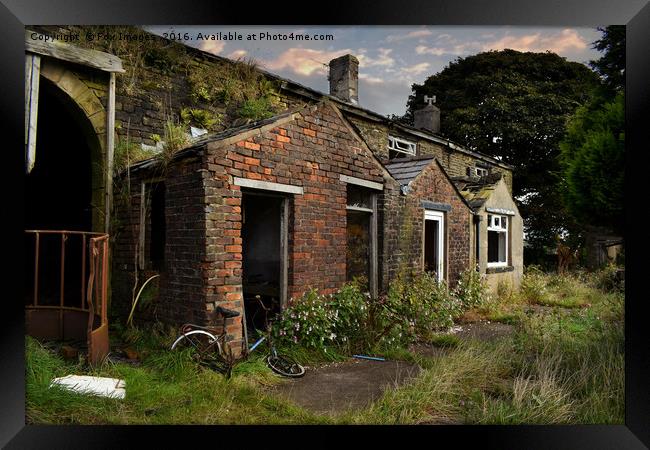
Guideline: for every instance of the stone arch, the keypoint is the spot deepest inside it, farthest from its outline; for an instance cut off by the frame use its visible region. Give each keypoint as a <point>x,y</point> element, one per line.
<point>80,94</point>
<point>92,116</point>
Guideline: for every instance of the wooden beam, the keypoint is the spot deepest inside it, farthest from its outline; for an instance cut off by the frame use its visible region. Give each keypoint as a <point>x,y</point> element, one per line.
<point>143,224</point>
<point>37,43</point>
<point>284,254</point>
<point>32,75</point>
<point>374,257</point>
<point>110,144</point>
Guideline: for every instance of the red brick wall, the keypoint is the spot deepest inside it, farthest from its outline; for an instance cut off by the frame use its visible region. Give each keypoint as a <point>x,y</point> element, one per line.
<point>311,151</point>
<point>404,222</point>
<point>181,297</point>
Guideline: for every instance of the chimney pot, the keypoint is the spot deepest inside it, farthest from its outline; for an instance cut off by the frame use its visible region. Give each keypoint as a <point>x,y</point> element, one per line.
<point>344,78</point>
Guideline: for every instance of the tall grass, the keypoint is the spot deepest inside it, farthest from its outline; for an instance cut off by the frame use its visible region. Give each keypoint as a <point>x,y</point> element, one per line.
<point>561,366</point>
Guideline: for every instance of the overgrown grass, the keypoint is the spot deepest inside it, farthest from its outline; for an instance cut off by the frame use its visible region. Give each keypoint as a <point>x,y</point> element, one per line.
<point>562,365</point>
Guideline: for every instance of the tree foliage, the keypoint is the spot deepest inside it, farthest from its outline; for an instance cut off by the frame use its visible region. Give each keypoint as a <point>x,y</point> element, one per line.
<point>611,66</point>
<point>513,106</point>
<point>593,163</point>
<point>593,150</point>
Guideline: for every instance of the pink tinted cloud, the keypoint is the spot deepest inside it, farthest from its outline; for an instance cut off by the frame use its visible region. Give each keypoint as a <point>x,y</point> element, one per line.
<point>215,47</point>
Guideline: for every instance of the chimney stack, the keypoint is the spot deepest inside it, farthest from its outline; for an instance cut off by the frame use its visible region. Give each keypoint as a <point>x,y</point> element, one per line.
<point>344,78</point>
<point>427,118</point>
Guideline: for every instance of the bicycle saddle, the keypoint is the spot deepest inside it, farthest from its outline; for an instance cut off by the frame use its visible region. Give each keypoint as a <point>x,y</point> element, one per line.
<point>227,313</point>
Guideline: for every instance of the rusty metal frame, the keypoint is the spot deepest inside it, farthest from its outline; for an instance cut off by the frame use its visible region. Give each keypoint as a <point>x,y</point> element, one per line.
<point>94,290</point>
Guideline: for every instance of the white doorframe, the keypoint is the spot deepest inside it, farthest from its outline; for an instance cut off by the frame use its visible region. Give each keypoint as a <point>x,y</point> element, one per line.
<point>439,217</point>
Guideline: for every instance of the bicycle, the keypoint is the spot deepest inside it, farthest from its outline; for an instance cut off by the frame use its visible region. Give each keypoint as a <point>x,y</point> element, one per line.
<point>208,346</point>
<point>280,364</point>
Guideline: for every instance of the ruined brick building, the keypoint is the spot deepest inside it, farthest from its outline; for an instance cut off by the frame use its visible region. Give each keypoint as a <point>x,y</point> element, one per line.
<point>311,195</point>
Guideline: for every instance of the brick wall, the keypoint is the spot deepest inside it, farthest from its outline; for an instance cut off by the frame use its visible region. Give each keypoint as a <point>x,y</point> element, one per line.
<point>311,151</point>
<point>181,294</point>
<point>404,224</point>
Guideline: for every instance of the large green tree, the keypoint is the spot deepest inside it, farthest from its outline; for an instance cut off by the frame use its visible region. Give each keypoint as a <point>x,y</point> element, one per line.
<point>513,106</point>
<point>611,65</point>
<point>593,150</point>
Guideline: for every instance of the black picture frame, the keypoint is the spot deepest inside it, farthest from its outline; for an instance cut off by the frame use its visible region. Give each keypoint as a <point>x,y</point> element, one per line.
<point>15,14</point>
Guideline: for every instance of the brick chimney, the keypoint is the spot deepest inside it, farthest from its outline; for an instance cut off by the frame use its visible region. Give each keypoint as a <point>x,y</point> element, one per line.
<point>344,78</point>
<point>427,118</point>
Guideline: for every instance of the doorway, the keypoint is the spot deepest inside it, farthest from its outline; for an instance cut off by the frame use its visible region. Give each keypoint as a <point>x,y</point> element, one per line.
<point>434,243</point>
<point>59,196</point>
<point>264,256</point>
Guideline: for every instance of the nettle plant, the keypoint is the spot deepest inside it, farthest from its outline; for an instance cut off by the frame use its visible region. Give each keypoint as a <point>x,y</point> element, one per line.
<point>414,309</point>
<point>319,321</point>
<point>472,289</point>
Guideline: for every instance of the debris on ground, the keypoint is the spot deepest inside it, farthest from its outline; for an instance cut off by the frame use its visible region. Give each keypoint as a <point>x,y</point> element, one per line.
<point>68,352</point>
<point>86,384</point>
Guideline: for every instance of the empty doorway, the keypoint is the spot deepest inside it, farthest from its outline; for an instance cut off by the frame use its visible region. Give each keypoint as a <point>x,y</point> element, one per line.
<point>264,256</point>
<point>434,243</point>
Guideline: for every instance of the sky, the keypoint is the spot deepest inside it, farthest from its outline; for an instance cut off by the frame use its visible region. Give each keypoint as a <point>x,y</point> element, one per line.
<point>391,58</point>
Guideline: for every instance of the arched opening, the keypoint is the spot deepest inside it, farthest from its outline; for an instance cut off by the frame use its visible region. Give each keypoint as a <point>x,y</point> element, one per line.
<point>59,195</point>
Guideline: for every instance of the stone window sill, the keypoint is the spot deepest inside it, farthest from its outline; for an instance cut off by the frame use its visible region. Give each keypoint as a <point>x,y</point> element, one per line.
<point>499,269</point>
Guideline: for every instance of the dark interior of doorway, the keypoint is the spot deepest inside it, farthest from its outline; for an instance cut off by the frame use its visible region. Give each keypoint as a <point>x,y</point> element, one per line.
<point>261,259</point>
<point>57,197</point>
<point>431,243</point>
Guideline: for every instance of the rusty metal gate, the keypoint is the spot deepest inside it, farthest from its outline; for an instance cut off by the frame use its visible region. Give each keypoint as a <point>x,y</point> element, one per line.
<point>49,316</point>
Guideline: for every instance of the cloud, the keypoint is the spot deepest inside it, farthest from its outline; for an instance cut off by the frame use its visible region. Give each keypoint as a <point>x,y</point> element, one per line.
<point>411,35</point>
<point>567,39</point>
<point>370,79</point>
<point>307,61</point>
<point>558,42</point>
<point>237,54</point>
<point>304,61</point>
<point>215,47</point>
<point>383,59</point>
<point>415,69</point>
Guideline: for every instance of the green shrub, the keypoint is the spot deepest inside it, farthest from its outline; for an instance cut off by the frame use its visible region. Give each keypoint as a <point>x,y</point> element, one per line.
<point>533,285</point>
<point>424,305</point>
<point>257,108</point>
<point>471,289</point>
<point>608,279</point>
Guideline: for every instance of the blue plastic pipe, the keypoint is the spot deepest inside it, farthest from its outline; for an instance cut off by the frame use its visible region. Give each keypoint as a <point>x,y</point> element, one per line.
<point>368,357</point>
<point>259,341</point>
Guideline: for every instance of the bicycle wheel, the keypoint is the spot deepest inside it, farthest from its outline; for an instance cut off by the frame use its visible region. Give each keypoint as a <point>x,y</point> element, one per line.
<point>200,344</point>
<point>285,366</point>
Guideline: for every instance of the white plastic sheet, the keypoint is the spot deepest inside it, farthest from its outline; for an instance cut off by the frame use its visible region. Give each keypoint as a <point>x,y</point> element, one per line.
<point>85,384</point>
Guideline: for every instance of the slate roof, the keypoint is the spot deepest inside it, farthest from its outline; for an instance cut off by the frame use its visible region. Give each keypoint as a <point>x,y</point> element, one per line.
<point>404,170</point>
<point>476,192</point>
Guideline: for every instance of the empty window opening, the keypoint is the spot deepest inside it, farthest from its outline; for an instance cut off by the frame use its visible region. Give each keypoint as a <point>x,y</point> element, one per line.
<point>153,226</point>
<point>497,240</point>
<point>262,259</point>
<point>158,227</point>
<point>360,235</point>
<point>434,243</point>
<point>400,148</point>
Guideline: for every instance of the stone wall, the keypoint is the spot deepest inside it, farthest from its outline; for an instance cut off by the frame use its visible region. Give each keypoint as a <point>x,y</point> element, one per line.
<point>454,162</point>
<point>502,199</point>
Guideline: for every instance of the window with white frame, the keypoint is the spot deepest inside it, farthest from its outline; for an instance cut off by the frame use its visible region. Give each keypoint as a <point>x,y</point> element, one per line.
<point>477,172</point>
<point>400,148</point>
<point>497,227</point>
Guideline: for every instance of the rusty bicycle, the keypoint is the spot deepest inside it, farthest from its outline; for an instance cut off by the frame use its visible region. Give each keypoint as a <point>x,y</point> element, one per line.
<point>208,345</point>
